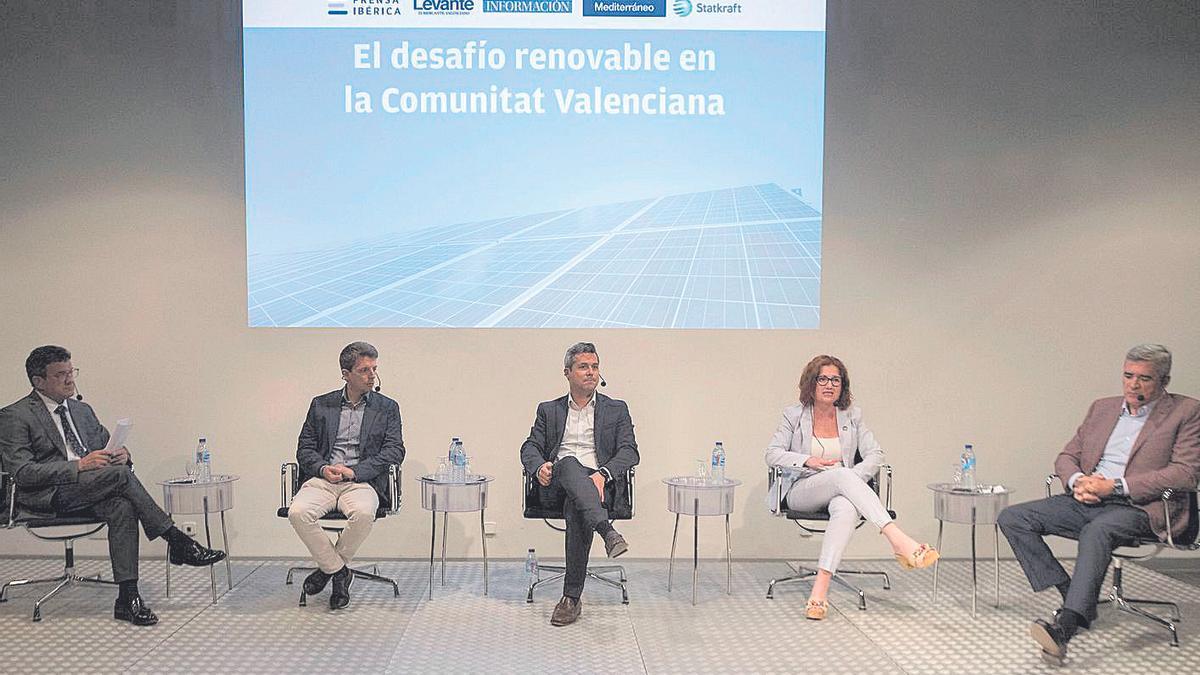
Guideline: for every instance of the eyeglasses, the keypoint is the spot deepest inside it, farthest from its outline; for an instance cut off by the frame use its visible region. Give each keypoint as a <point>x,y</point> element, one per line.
<point>74,372</point>
<point>824,379</point>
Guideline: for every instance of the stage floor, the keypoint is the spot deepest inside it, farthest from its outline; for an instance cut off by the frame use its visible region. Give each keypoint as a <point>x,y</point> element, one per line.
<point>258,627</point>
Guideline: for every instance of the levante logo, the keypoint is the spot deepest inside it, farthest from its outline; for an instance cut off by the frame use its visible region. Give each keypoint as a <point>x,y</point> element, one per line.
<point>363,7</point>
<point>444,7</point>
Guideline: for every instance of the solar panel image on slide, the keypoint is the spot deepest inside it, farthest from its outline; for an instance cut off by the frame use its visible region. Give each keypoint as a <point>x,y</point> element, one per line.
<point>745,257</point>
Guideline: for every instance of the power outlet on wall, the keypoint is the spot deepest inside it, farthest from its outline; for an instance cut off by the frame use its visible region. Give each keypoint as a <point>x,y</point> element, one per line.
<point>489,528</point>
<point>189,528</point>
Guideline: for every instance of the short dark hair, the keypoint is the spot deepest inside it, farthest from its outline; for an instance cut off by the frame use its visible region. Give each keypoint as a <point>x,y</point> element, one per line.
<point>355,350</point>
<point>577,349</point>
<point>808,380</point>
<point>42,357</point>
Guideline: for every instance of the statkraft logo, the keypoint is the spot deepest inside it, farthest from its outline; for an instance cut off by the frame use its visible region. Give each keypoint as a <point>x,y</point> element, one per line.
<point>682,7</point>
<point>444,7</point>
<point>625,8</point>
<point>528,6</point>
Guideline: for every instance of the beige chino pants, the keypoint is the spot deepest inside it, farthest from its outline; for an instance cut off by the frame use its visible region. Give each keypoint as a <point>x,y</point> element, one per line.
<point>317,497</point>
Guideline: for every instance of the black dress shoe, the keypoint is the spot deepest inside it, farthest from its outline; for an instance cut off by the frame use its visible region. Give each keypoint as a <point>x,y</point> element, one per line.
<point>192,553</point>
<point>340,596</point>
<point>1052,638</point>
<point>315,582</point>
<point>134,611</point>
<point>614,544</point>
<point>565,612</point>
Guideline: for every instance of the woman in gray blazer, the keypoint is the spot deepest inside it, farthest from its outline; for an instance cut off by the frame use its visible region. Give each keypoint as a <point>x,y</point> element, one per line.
<point>828,455</point>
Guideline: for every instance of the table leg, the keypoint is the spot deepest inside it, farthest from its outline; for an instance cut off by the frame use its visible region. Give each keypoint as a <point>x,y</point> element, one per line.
<point>671,565</point>
<point>225,543</point>
<point>168,570</point>
<point>432,541</point>
<point>445,516</point>
<point>974,570</point>
<point>996,559</point>
<point>695,547</point>
<point>728,559</point>
<point>941,525</point>
<point>212,573</point>
<point>483,540</point>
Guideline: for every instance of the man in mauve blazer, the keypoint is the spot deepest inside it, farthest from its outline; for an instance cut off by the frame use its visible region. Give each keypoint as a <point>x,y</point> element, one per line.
<point>1127,451</point>
<point>578,443</point>
<point>347,442</point>
<point>55,447</point>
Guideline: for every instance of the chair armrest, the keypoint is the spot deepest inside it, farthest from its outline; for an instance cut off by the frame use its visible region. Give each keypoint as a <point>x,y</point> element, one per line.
<point>1166,496</point>
<point>886,470</point>
<point>8,487</point>
<point>288,472</point>
<point>1050,478</point>
<point>395,493</point>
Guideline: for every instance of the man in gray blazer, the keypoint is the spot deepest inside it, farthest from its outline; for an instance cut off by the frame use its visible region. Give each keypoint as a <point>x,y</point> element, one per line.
<point>54,445</point>
<point>577,444</point>
<point>348,440</point>
<point>1127,451</point>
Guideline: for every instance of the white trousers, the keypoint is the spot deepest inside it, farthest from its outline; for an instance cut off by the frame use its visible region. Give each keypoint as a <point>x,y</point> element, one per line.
<point>317,497</point>
<point>846,496</point>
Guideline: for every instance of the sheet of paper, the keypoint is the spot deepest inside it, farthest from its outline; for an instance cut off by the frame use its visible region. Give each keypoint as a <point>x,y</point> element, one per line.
<point>120,434</point>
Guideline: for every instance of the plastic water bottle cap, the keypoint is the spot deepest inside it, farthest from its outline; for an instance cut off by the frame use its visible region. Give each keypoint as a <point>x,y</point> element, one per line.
<point>203,439</point>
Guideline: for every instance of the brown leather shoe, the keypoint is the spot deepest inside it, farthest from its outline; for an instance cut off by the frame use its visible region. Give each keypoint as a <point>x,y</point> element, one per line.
<point>565,612</point>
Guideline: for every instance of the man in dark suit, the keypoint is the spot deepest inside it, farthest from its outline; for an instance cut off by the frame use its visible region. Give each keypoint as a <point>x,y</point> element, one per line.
<point>54,445</point>
<point>348,440</point>
<point>577,444</point>
<point>1127,451</point>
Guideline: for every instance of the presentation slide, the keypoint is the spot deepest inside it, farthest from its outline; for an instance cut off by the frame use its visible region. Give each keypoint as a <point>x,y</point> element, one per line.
<point>529,163</point>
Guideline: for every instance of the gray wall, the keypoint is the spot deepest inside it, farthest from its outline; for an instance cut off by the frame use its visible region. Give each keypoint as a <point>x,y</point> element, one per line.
<point>1011,201</point>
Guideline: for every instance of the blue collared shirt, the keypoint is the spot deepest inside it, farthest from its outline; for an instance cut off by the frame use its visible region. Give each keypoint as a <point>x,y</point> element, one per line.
<point>1120,442</point>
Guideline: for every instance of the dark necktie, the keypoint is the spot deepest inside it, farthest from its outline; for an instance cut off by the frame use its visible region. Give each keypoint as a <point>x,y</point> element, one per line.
<point>72,439</point>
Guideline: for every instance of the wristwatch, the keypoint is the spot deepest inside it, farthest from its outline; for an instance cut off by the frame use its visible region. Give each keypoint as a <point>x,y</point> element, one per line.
<point>605,472</point>
<point>1119,487</point>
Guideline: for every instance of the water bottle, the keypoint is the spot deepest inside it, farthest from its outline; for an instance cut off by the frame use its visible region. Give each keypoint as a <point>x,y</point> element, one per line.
<point>718,463</point>
<point>451,458</point>
<point>531,566</point>
<point>204,460</point>
<point>968,466</point>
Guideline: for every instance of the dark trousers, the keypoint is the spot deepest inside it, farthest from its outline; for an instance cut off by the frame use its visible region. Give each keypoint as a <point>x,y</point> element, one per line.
<point>1099,528</point>
<point>117,496</point>
<point>583,513</point>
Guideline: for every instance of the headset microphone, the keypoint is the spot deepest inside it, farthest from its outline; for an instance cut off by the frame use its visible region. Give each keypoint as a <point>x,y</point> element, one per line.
<point>602,382</point>
<point>378,383</point>
<point>1141,398</point>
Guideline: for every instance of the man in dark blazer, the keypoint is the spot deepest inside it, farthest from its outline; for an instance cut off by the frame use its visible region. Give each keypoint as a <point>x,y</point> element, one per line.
<point>1127,451</point>
<point>577,444</point>
<point>348,440</point>
<point>53,444</point>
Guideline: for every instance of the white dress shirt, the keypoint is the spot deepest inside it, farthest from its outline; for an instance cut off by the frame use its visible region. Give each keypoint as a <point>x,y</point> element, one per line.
<point>52,406</point>
<point>579,435</point>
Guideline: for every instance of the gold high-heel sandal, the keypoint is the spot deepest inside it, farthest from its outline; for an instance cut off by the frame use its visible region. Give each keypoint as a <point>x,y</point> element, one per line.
<point>816,609</point>
<point>923,557</point>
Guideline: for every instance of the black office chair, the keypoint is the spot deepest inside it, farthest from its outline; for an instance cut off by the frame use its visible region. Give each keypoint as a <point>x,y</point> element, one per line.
<point>335,521</point>
<point>1146,549</point>
<point>618,500</point>
<point>66,527</point>
<point>809,523</point>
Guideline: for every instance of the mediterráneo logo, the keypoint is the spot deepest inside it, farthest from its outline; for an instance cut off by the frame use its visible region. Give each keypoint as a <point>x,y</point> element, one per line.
<point>625,8</point>
<point>529,6</point>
